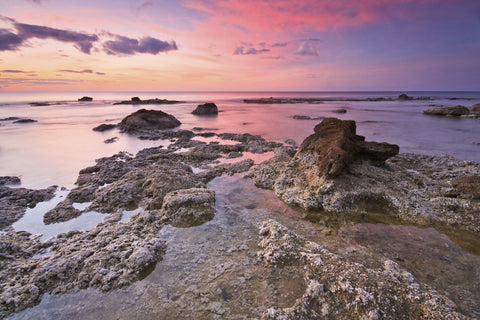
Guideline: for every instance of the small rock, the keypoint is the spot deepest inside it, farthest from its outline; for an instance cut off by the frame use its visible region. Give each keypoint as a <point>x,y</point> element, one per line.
<point>85,99</point>
<point>448,111</point>
<point>111,140</point>
<point>104,127</point>
<point>25,121</point>
<point>340,111</point>
<point>208,108</point>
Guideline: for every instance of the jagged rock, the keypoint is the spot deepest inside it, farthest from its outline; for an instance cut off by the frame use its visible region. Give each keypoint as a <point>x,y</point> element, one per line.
<point>9,180</point>
<point>338,288</point>
<point>189,207</point>
<point>208,108</point>
<point>145,120</point>
<point>448,111</point>
<point>104,127</point>
<point>335,145</point>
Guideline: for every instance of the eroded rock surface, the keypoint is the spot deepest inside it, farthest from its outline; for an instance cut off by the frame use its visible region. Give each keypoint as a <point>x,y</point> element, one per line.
<point>338,288</point>
<point>189,207</point>
<point>330,176</point>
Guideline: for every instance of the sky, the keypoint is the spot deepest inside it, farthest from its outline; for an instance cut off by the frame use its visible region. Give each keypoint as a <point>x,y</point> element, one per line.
<point>261,45</point>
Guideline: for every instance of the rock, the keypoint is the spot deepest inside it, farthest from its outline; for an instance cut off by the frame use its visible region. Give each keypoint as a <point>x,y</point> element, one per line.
<point>64,211</point>
<point>339,288</point>
<point>208,108</point>
<point>111,140</point>
<point>10,119</point>
<point>189,207</point>
<point>14,201</point>
<point>85,99</point>
<point>448,111</point>
<point>335,145</point>
<point>137,100</point>
<point>475,108</point>
<point>104,127</point>
<point>9,180</point>
<point>404,97</point>
<point>146,120</point>
<point>340,111</point>
<point>25,121</point>
<point>466,187</point>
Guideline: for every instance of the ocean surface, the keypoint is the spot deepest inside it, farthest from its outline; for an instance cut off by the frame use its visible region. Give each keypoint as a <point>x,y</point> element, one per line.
<point>212,271</point>
<point>52,150</point>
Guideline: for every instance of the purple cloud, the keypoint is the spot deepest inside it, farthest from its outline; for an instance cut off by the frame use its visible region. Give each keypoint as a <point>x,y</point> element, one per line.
<point>81,71</point>
<point>308,47</point>
<point>13,71</point>
<point>9,41</point>
<point>279,44</point>
<point>83,42</point>
<point>240,50</point>
<point>128,46</point>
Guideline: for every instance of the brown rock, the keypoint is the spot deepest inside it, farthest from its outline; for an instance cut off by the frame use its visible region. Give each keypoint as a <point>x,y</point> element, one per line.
<point>466,187</point>
<point>148,119</point>
<point>448,111</point>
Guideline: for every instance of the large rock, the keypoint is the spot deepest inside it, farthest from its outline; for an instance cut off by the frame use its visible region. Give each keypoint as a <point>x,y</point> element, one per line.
<point>144,120</point>
<point>335,145</point>
<point>339,288</point>
<point>337,172</point>
<point>208,108</point>
<point>448,111</point>
<point>189,207</point>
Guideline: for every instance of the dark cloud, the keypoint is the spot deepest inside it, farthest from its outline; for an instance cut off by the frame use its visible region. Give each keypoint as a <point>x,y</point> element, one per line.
<point>279,44</point>
<point>128,46</point>
<point>81,71</point>
<point>308,47</point>
<point>83,42</point>
<point>241,50</point>
<point>9,40</point>
<point>14,71</point>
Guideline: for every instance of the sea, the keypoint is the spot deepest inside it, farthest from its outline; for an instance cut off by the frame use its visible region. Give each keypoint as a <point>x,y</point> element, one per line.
<point>211,271</point>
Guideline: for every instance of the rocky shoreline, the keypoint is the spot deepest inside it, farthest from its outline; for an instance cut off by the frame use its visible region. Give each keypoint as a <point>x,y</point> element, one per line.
<point>334,170</point>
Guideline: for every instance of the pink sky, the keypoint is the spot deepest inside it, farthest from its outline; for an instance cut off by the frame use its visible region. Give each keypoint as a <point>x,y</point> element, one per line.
<point>311,45</point>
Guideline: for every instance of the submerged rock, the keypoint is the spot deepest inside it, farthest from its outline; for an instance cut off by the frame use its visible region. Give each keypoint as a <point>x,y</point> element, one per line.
<point>104,127</point>
<point>448,111</point>
<point>145,120</point>
<point>189,207</point>
<point>338,288</point>
<point>208,108</point>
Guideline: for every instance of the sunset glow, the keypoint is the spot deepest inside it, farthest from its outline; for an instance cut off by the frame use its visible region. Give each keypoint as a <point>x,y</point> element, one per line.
<point>311,45</point>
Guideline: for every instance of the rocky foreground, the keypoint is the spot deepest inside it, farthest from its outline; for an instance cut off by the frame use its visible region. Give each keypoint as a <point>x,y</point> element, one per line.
<point>334,170</point>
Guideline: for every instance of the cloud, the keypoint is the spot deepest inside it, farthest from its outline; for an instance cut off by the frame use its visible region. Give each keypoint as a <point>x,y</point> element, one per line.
<point>83,42</point>
<point>128,46</point>
<point>14,71</point>
<point>6,82</point>
<point>36,1</point>
<point>82,71</point>
<point>241,50</point>
<point>308,47</point>
<point>142,6</point>
<point>9,41</point>
<point>279,44</point>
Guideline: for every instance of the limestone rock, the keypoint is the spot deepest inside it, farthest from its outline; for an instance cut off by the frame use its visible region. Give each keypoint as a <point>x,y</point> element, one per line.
<point>448,111</point>
<point>208,108</point>
<point>143,120</point>
<point>189,207</point>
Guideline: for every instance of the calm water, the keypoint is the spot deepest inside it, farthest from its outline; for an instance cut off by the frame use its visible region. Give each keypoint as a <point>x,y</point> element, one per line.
<point>53,150</point>
<point>211,271</point>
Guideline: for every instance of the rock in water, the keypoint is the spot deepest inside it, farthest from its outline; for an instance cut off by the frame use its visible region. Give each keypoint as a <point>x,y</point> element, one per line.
<point>335,145</point>
<point>189,207</point>
<point>448,111</point>
<point>143,119</point>
<point>208,108</point>
<point>104,127</point>
<point>85,99</point>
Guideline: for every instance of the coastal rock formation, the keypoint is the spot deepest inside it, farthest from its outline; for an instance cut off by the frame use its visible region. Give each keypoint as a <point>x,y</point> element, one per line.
<point>145,120</point>
<point>14,201</point>
<point>137,100</point>
<point>85,99</point>
<point>189,207</point>
<point>448,111</point>
<point>104,127</point>
<point>338,288</point>
<point>344,177</point>
<point>9,180</point>
<point>25,121</point>
<point>208,108</point>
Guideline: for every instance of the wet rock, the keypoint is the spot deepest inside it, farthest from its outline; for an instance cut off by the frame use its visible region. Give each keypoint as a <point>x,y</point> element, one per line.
<point>104,127</point>
<point>475,108</point>
<point>208,108</point>
<point>137,100</point>
<point>9,180</point>
<point>10,119</point>
<point>144,120</point>
<point>189,207</point>
<point>64,211</point>
<point>25,121</point>
<point>404,97</point>
<point>338,288</point>
<point>85,99</point>
<point>340,111</point>
<point>466,187</point>
<point>14,202</point>
<point>412,188</point>
<point>448,111</point>
<point>111,140</point>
